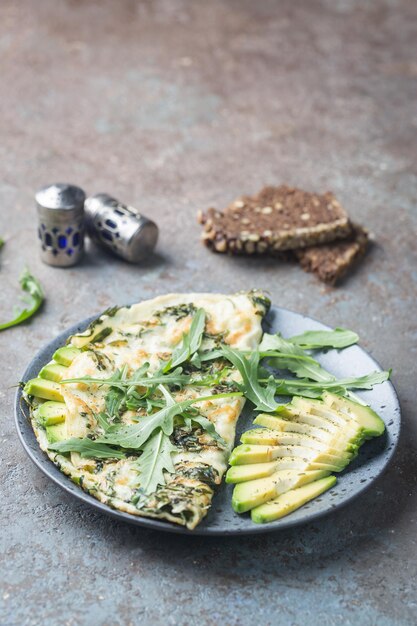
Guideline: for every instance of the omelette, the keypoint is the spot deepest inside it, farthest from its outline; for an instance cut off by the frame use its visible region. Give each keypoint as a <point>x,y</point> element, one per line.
<point>140,409</point>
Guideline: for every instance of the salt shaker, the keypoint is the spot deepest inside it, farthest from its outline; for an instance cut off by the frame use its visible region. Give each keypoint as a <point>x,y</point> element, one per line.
<point>61,223</point>
<point>120,228</point>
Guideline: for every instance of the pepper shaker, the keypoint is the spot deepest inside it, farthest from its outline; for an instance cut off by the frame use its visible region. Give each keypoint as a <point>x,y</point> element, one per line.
<point>61,223</point>
<point>120,228</point>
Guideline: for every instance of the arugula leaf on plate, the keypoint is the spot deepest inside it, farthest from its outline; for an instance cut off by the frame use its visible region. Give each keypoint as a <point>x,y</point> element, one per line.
<point>209,428</point>
<point>311,389</point>
<point>315,339</point>
<point>261,397</point>
<point>134,435</point>
<point>190,343</point>
<point>154,461</point>
<point>282,354</point>
<point>171,378</point>
<point>87,448</point>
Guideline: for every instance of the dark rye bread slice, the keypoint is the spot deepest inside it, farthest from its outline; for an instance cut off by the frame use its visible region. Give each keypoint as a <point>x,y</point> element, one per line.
<point>276,219</point>
<point>331,261</point>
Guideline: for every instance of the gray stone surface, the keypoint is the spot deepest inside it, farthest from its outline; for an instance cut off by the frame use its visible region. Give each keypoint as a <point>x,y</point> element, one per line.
<point>173,106</point>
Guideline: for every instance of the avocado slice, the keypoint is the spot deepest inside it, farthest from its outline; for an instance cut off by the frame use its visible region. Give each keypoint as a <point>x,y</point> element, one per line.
<point>44,389</point>
<point>50,413</point>
<point>291,500</point>
<point>320,409</point>
<point>370,421</point>
<point>309,419</point>
<point>248,453</point>
<point>57,432</point>
<point>337,445</point>
<point>253,493</point>
<point>66,355</point>
<point>271,437</point>
<point>291,426</point>
<point>252,471</point>
<point>53,371</point>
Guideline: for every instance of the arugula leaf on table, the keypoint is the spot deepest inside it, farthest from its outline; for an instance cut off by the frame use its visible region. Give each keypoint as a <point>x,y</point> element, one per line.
<point>261,397</point>
<point>87,448</point>
<point>315,339</point>
<point>33,289</point>
<point>154,461</point>
<point>190,343</point>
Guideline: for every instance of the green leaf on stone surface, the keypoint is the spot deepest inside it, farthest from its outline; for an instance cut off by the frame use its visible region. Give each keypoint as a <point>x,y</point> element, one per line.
<point>31,286</point>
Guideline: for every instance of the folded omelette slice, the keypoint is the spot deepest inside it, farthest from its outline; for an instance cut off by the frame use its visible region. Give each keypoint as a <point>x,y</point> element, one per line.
<point>152,450</point>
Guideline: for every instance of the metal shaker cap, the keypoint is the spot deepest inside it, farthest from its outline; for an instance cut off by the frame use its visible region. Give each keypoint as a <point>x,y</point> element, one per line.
<point>60,210</point>
<point>120,228</point>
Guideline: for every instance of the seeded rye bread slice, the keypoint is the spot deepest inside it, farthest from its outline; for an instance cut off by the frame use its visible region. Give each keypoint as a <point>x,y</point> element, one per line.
<point>331,261</point>
<point>275,220</point>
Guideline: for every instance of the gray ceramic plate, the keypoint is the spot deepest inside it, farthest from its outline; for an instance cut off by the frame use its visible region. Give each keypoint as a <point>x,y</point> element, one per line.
<point>221,520</point>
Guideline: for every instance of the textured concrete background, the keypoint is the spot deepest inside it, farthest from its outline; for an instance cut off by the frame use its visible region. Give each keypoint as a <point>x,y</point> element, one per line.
<point>174,105</point>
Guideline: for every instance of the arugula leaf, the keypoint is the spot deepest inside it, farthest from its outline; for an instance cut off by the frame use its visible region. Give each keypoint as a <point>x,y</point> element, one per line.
<point>190,343</point>
<point>116,396</point>
<point>87,448</point>
<point>32,287</point>
<point>103,420</point>
<point>287,387</point>
<point>261,397</point>
<point>171,378</point>
<point>314,339</point>
<point>211,355</point>
<point>301,366</point>
<point>285,355</point>
<point>297,361</point>
<point>209,428</point>
<point>134,435</point>
<point>154,461</point>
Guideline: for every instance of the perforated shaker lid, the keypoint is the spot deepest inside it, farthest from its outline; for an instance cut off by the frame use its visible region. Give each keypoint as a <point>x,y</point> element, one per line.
<point>60,197</point>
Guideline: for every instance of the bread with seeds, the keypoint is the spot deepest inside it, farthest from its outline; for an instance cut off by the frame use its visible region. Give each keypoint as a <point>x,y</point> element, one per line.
<point>277,219</point>
<point>332,261</point>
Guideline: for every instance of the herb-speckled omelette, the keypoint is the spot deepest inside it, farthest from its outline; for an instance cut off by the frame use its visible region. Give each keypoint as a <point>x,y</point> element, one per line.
<point>140,340</point>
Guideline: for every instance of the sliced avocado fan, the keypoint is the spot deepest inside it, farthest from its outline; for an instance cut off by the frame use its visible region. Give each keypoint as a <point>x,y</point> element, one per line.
<point>288,461</point>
